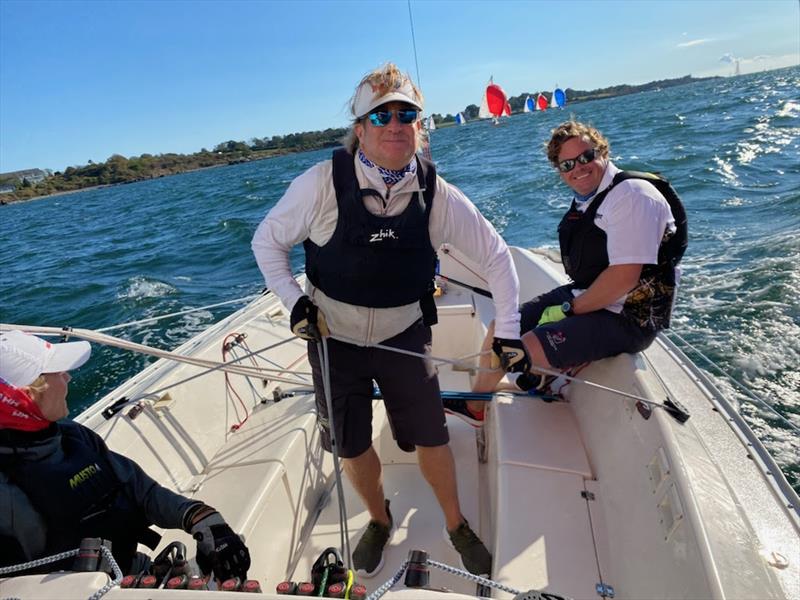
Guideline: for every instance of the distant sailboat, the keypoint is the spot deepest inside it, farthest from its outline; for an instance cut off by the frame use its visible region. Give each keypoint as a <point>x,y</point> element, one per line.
<point>541,102</point>
<point>529,105</point>
<point>494,102</point>
<point>429,124</point>
<point>461,119</point>
<point>559,98</point>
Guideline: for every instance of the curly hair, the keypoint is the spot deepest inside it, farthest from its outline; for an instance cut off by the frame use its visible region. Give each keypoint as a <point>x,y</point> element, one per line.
<point>571,129</point>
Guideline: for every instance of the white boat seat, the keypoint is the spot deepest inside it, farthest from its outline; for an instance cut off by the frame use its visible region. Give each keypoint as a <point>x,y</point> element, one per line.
<point>245,472</point>
<point>542,532</point>
<point>536,434</point>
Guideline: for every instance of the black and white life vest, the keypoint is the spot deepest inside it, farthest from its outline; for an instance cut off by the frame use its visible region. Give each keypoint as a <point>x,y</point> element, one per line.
<point>372,260</point>
<point>584,252</point>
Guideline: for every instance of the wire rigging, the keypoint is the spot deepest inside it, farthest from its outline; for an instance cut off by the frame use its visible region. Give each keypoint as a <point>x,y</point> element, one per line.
<point>414,43</point>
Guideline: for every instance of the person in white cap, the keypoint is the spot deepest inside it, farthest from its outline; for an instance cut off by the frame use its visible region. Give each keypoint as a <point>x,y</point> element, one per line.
<point>370,221</point>
<point>59,483</point>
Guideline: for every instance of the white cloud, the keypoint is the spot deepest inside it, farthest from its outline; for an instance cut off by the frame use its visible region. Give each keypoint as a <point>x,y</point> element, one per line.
<point>727,58</point>
<point>694,43</point>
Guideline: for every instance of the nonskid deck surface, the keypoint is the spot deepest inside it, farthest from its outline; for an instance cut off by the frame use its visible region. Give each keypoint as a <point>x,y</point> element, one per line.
<point>419,522</point>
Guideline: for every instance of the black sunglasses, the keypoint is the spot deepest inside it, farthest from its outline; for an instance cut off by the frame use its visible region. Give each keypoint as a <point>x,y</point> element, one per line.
<point>585,157</point>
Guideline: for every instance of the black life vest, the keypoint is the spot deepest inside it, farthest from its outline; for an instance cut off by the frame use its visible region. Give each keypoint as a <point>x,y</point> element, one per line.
<point>584,252</point>
<point>78,495</point>
<point>371,260</point>
<point>583,244</point>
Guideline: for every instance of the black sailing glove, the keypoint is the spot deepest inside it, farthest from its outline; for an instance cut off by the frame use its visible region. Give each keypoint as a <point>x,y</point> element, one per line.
<point>512,355</point>
<point>307,321</point>
<point>219,549</point>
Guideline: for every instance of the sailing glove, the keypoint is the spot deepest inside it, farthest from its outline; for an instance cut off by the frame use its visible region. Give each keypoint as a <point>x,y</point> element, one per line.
<point>552,314</point>
<point>511,354</point>
<point>219,549</point>
<point>307,321</point>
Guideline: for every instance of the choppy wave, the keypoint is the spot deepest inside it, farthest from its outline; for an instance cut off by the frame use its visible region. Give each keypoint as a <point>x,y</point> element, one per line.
<point>139,287</point>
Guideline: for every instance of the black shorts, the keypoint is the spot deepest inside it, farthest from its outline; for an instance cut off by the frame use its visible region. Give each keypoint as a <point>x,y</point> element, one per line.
<point>581,338</point>
<point>409,385</point>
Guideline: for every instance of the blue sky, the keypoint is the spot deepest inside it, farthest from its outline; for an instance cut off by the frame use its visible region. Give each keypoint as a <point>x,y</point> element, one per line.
<point>81,81</point>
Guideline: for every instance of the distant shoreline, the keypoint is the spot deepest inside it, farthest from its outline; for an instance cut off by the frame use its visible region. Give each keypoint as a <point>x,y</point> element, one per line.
<point>11,200</point>
<point>118,170</point>
<point>61,193</point>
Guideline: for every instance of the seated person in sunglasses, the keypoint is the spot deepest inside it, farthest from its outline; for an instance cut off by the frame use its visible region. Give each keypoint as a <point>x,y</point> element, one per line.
<point>59,482</point>
<point>370,221</point>
<point>619,245</point>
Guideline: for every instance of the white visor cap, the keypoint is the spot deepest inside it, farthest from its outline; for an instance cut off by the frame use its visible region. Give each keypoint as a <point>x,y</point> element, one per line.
<point>369,97</point>
<point>24,357</point>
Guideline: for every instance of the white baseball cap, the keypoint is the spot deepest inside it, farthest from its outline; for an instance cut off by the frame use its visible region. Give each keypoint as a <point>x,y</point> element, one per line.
<point>23,357</point>
<point>369,96</point>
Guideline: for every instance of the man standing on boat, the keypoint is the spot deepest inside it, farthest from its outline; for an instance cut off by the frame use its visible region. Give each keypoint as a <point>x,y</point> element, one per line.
<point>370,220</point>
<point>59,482</point>
<point>621,241</point>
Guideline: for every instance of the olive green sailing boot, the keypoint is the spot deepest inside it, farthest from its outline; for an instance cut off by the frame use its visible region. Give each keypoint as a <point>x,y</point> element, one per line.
<point>368,555</point>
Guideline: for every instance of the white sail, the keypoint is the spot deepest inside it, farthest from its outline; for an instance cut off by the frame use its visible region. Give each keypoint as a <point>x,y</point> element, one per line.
<point>484,113</point>
<point>461,119</point>
<point>526,106</point>
<point>430,124</point>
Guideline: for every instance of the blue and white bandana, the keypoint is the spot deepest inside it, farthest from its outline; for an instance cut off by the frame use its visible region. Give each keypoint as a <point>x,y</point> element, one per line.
<point>580,200</point>
<point>390,176</point>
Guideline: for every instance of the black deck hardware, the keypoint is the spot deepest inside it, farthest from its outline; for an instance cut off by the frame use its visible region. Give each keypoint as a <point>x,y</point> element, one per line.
<point>113,408</point>
<point>677,410</point>
<point>417,572</point>
<point>644,409</point>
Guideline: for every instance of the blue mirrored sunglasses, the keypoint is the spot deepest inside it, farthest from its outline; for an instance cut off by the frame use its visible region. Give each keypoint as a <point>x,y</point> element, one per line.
<point>381,118</point>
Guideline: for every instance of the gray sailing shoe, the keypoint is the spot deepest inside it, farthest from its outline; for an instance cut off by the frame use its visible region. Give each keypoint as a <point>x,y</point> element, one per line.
<point>368,555</point>
<point>475,558</point>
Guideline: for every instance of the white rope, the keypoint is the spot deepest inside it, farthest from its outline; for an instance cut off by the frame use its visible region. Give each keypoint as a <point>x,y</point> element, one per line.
<point>117,579</point>
<point>107,340</point>
<point>534,367</point>
<point>472,577</point>
<point>117,575</point>
<point>438,359</point>
<point>261,372</point>
<point>387,585</point>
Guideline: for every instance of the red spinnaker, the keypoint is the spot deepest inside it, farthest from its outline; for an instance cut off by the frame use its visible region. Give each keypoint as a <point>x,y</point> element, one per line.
<point>542,102</point>
<point>495,99</point>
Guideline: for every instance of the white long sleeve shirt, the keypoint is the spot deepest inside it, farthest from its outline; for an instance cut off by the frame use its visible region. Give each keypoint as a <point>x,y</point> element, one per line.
<point>308,210</point>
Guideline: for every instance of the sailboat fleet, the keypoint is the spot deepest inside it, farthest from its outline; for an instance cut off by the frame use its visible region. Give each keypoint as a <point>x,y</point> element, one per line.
<point>495,104</point>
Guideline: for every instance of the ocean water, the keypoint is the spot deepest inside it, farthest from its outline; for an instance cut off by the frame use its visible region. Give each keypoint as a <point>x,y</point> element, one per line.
<point>731,147</point>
